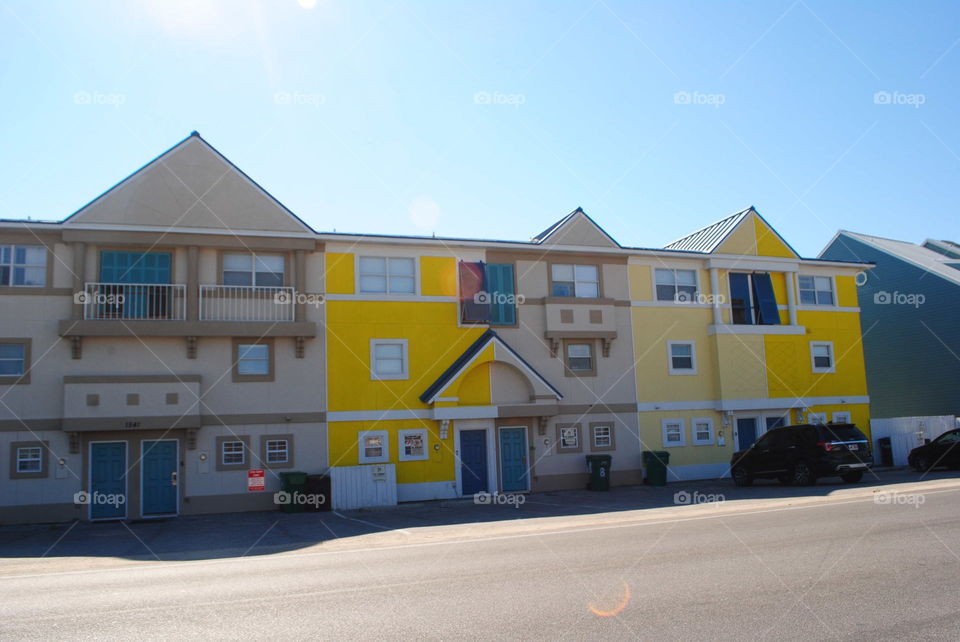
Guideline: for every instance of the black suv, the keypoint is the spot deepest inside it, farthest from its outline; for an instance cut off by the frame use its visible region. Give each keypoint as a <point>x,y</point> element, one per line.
<point>798,455</point>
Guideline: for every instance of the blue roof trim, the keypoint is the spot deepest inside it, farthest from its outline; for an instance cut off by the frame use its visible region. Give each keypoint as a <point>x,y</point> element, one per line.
<point>473,350</point>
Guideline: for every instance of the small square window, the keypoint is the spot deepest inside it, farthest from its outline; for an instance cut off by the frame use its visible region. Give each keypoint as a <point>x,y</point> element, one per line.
<point>30,459</point>
<point>388,359</point>
<point>683,359</point>
<point>821,355</point>
<point>702,431</point>
<point>601,436</point>
<point>278,451</point>
<point>673,433</point>
<point>413,444</point>
<point>815,290</point>
<point>233,453</point>
<point>568,438</point>
<point>679,286</point>
<point>580,357</point>
<point>253,360</point>
<point>374,447</point>
<point>12,359</point>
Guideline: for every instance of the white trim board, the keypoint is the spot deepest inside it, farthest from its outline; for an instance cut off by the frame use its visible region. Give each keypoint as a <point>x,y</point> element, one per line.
<point>778,403</point>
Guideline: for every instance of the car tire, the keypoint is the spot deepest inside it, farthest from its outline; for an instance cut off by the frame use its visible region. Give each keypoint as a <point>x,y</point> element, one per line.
<point>852,477</point>
<point>923,464</point>
<point>802,475</point>
<point>741,476</point>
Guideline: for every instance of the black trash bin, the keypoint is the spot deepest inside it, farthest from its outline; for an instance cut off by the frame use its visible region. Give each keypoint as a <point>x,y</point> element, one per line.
<point>655,463</point>
<point>318,490</point>
<point>886,451</point>
<point>293,487</point>
<point>599,467</point>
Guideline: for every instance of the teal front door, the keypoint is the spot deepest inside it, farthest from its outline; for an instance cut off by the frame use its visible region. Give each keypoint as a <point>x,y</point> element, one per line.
<point>107,496</point>
<point>513,460</point>
<point>159,471</point>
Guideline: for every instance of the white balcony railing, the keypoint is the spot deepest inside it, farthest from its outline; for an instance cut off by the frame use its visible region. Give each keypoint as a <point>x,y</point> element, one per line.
<point>133,301</point>
<point>246,303</point>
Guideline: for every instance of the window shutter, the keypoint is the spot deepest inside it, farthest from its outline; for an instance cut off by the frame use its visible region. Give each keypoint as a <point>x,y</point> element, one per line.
<point>503,309</point>
<point>766,302</point>
<point>740,298</point>
<point>473,309</point>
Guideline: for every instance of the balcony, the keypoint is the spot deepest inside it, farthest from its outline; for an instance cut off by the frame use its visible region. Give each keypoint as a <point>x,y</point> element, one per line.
<point>246,303</point>
<point>133,302</point>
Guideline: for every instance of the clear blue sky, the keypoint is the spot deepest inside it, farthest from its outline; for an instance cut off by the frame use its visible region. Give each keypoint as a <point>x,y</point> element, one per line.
<point>374,116</point>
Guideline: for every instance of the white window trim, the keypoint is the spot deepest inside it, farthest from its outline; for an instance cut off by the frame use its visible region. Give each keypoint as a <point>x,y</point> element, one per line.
<point>683,432</point>
<point>405,374</point>
<point>13,264</point>
<point>842,418</point>
<point>817,418</point>
<point>576,295</point>
<point>38,458</point>
<point>593,435</point>
<point>386,258</point>
<point>426,444</point>
<point>693,358</point>
<point>385,458</point>
<point>253,267</point>
<point>833,290</point>
<point>696,281</point>
<point>569,449</point>
<point>693,431</point>
<point>243,452</point>
<point>833,358</point>
<point>266,451</point>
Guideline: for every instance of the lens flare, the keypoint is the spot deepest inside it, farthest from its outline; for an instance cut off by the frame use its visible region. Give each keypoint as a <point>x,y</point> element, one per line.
<point>624,601</point>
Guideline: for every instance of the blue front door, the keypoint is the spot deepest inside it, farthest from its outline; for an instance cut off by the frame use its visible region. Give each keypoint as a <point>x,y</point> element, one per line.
<point>473,461</point>
<point>513,459</point>
<point>108,480</point>
<point>159,471</point>
<point>746,432</point>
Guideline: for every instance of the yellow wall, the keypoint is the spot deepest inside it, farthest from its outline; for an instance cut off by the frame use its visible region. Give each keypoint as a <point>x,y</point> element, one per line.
<point>339,273</point>
<point>768,243</point>
<point>439,466</point>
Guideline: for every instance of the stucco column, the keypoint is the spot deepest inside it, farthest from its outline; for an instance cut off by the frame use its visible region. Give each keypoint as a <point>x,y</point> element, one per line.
<point>792,296</point>
<point>79,275</point>
<point>299,283</point>
<point>715,291</point>
<point>193,283</point>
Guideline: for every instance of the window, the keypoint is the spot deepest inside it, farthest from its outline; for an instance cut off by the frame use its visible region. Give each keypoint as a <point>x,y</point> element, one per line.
<point>393,275</point>
<point>233,453</point>
<point>388,359</point>
<point>14,361</point>
<point>264,270</point>
<point>676,285</point>
<point>28,459</point>
<point>817,418</point>
<point>841,417</point>
<point>23,265</point>
<point>821,356</point>
<point>948,438</point>
<point>581,281</point>
<point>278,451</point>
<point>683,360</point>
<point>673,433</point>
<point>601,437</point>
<point>702,431</point>
<point>815,290</point>
<point>752,300</point>
<point>568,438</point>
<point>413,444</point>
<point>580,358</point>
<point>253,359</point>
<point>487,293</point>
<point>374,447</point>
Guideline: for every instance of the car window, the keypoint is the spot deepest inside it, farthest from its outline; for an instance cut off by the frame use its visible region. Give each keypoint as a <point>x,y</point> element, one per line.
<point>763,442</point>
<point>841,432</point>
<point>948,438</point>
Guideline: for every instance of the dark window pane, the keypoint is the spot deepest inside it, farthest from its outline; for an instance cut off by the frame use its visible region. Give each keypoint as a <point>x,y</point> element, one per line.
<point>740,299</point>
<point>766,302</point>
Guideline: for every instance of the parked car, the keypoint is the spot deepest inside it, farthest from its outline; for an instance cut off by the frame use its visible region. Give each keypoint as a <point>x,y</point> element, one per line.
<point>942,451</point>
<point>799,455</point>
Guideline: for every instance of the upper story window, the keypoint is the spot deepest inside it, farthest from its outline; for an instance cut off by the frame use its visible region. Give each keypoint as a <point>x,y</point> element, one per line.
<point>264,270</point>
<point>253,360</point>
<point>388,359</point>
<point>683,358</point>
<point>387,275</point>
<point>752,301</point>
<point>676,285</point>
<point>488,293</point>
<point>23,265</point>
<point>815,290</point>
<point>821,356</point>
<point>582,281</point>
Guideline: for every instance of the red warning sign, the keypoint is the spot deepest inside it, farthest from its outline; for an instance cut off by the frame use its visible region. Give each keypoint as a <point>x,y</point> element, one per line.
<point>256,480</point>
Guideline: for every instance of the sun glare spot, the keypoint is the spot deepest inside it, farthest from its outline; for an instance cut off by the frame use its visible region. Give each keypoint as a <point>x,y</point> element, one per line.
<point>616,610</point>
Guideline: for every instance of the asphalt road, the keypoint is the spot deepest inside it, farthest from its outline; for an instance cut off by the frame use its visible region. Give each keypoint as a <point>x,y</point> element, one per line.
<point>837,568</point>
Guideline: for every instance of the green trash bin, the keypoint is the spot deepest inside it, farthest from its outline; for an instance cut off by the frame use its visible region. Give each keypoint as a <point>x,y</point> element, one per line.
<point>294,487</point>
<point>655,462</point>
<point>599,467</point>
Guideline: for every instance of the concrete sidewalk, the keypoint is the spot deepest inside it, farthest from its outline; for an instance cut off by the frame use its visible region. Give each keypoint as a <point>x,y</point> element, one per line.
<point>82,545</point>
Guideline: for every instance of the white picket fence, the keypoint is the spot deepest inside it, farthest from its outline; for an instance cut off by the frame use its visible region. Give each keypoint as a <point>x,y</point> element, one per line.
<point>906,433</point>
<point>355,487</point>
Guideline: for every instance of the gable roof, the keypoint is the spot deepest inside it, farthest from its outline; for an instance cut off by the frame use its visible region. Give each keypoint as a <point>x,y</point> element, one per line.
<point>917,255</point>
<point>157,195</point>
<point>567,227</point>
<point>462,362</point>
<point>708,239</point>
